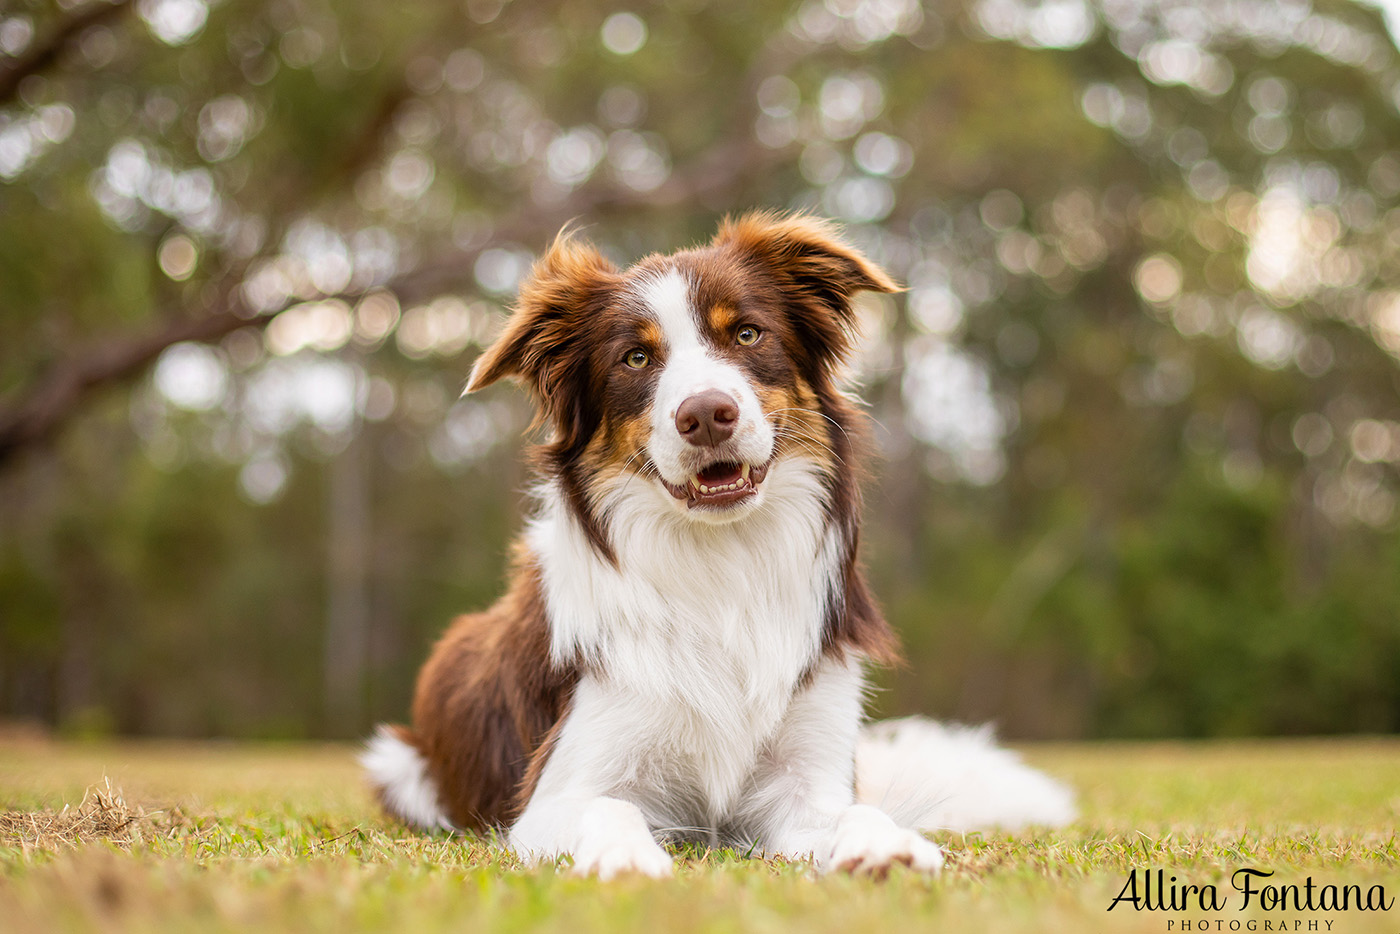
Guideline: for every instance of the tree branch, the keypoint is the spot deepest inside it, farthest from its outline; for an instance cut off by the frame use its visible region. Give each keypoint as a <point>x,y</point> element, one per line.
<point>42,55</point>
<point>41,411</point>
<point>36,414</point>
<point>47,406</point>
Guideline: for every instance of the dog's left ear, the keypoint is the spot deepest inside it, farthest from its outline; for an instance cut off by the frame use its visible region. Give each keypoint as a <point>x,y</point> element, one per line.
<point>565,288</point>
<point>817,272</point>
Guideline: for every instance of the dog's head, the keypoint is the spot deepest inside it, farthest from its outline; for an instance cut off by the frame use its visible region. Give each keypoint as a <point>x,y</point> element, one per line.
<point>697,371</point>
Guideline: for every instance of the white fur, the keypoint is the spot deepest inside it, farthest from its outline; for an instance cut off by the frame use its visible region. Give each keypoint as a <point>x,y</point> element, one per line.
<point>866,840</point>
<point>938,777</point>
<point>613,838</point>
<point>691,606</point>
<point>798,802</point>
<point>692,367</point>
<point>701,633</point>
<point>400,773</point>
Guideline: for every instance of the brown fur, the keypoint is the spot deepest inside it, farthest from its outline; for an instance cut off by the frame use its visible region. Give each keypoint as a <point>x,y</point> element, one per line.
<point>486,701</point>
<point>490,703</point>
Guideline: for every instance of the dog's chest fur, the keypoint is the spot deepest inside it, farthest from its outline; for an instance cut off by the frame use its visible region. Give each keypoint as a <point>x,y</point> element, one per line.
<point>695,642</point>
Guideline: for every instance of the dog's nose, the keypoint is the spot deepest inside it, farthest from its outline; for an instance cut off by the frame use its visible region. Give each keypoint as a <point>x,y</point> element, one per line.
<point>707,418</point>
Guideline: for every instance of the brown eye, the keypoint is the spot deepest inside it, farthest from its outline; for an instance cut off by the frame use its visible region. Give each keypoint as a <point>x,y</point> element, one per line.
<point>747,335</point>
<point>636,359</point>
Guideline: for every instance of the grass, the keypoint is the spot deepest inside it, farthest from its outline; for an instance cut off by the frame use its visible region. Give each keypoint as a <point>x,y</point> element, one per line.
<point>165,836</point>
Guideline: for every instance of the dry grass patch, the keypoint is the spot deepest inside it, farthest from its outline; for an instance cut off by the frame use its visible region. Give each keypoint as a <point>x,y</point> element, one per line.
<point>103,814</point>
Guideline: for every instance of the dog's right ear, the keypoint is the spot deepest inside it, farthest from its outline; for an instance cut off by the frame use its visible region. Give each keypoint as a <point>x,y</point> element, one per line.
<point>567,286</point>
<point>818,274</point>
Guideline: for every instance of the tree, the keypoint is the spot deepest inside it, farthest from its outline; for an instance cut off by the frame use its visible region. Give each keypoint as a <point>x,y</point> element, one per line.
<point>1137,404</point>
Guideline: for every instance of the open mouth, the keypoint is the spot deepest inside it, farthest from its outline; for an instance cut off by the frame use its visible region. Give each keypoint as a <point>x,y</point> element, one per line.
<point>721,484</point>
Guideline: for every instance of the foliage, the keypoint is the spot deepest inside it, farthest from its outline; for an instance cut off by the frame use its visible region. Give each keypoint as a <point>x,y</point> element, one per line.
<point>1136,410</point>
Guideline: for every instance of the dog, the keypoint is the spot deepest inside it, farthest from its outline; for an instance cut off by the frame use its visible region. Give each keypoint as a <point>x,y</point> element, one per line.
<point>681,652</point>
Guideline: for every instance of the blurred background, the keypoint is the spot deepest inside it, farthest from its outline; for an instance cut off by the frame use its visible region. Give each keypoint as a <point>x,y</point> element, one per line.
<point>1137,411</point>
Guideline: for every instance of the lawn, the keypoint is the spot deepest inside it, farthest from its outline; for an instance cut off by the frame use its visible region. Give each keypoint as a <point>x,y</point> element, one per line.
<point>218,836</point>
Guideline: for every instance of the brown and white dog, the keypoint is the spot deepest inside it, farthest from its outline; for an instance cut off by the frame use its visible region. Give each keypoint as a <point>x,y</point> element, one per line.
<point>680,653</point>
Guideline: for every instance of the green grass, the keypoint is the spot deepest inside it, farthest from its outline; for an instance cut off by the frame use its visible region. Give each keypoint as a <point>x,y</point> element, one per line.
<point>285,838</point>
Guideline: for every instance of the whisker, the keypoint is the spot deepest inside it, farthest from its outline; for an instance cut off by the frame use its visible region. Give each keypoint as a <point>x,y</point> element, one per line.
<point>682,828</point>
<point>808,449</point>
<point>801,436</point>
<point>812,451</point>
<point>809,438</point>
<point>794,428</point>
<point>640,451</point>
<point>833,421</point>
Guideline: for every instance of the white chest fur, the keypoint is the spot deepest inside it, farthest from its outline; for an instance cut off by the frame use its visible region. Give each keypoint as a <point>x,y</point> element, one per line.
<point>696,641</point>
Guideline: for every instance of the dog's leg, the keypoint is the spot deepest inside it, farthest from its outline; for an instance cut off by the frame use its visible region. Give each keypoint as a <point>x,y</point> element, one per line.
<point>802,801</point>
<point>574,809</point>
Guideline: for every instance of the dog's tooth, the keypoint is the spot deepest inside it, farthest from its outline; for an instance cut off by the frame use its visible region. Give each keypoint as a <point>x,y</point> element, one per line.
<point>695,482</point>
<point>704,489</point>
<point>744,472</point>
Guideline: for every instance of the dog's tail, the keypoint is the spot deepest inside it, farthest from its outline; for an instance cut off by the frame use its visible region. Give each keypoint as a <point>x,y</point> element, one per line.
<point>935,777</point>
<point>398,772</point>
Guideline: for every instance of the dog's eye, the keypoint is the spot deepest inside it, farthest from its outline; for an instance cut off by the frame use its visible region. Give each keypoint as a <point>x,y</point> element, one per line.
<point>747,335</point>
<point>636,359</point>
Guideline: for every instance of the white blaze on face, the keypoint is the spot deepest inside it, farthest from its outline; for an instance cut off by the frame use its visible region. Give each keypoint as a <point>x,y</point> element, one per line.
<point>692,366</point>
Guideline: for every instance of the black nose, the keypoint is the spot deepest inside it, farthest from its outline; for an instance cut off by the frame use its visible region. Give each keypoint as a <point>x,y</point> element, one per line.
<point>707,418</point>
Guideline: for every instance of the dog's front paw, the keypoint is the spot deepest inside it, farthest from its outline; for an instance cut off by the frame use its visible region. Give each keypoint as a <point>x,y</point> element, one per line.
<point>614,839</point>
<point>608,858</point>
<point>867,842</point>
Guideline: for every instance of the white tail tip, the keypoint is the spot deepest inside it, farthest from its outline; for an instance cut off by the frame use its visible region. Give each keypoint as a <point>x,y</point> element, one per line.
<point>400,775</point>
<point>936,777</point>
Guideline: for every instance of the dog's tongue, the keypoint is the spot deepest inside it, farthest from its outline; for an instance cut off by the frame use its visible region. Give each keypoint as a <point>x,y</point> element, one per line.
<point>720,474</point>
